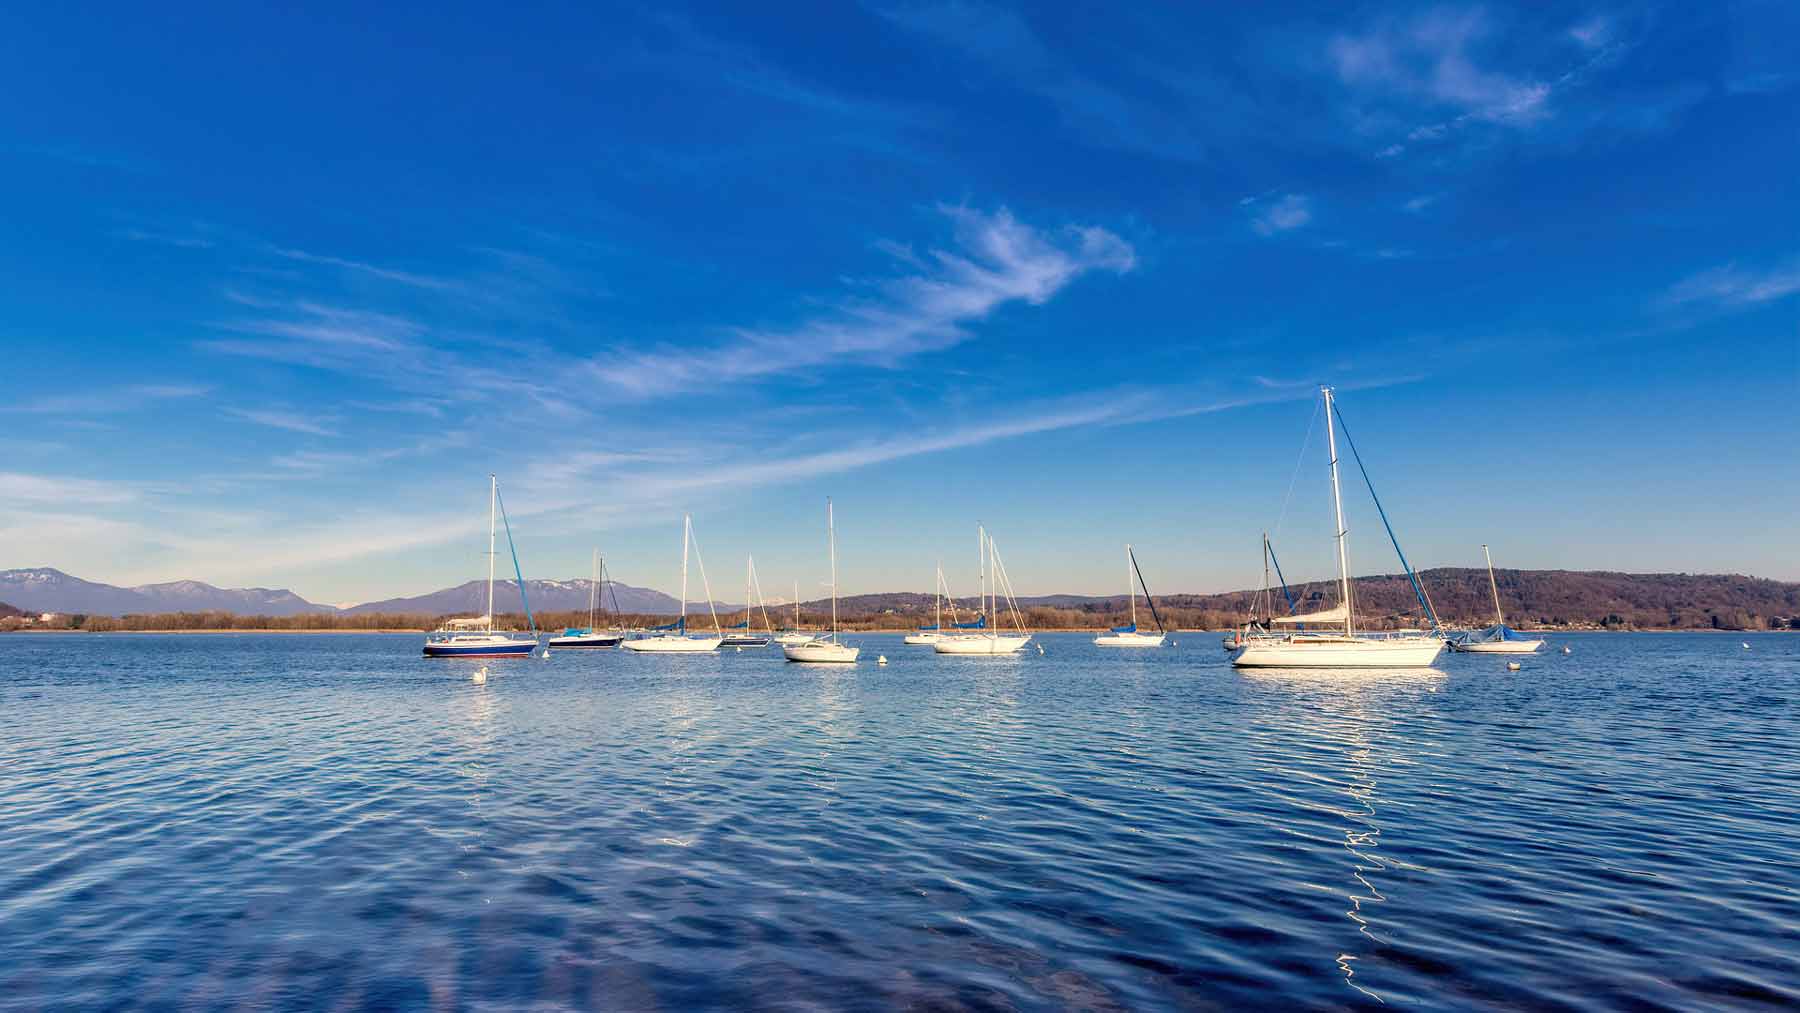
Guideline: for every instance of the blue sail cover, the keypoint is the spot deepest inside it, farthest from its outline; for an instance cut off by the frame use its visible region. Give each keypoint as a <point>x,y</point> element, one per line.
<point>740,626</point>
<point>979,624</point>
<point>679,624</point>
<point>1492,635</point>
<point>1127,628</point>
<point>928,629</point>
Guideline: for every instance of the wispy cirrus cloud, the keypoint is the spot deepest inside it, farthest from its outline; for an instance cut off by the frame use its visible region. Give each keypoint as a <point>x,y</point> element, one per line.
<point>20,488</point>
<point>108,401</point>
<point>1284,214</point>
<point>1731,286</point>
<point>362,267</point>
<point>994,259</point>
<point>293,422</point>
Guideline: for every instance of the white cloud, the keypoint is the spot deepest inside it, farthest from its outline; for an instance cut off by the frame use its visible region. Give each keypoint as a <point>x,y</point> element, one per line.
<point>18,488</point>
<point>1592,33</point>
<point>1732,286</point>
<point>104,401</point>
<point>291,421</point>
<point>1284,215</point>
<point>1421,202</point>
<point>375,271</point>
<point>995,259</point>
<point>1429,59</point>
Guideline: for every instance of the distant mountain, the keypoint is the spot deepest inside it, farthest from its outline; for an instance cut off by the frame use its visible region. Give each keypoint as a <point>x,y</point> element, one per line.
<point>8,612</point>
<point>42,589</point>
<point>545,595</point>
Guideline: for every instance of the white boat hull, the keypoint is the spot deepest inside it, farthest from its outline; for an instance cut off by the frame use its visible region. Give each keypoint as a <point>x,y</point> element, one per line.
<point>822,652</point>
<point>795,637</point>
<point>1129,640</point>
<point>919,639</point>
<point>1500,647</point>
<point>1337,651</point>
<point>673,645</point>
<point>985,645</point>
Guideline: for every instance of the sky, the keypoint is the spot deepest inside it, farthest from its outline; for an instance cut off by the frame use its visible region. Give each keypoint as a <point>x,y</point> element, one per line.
<point>280,289</point>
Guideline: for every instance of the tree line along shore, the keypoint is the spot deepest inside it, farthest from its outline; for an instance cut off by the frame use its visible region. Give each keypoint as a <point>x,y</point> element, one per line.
<point>1533,599</point>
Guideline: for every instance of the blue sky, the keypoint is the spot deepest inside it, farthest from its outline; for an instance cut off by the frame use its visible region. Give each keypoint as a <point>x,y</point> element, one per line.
<point>282,288</point>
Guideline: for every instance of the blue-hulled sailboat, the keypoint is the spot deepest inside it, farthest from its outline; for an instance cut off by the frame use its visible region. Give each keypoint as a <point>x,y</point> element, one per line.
<point>587,636</point>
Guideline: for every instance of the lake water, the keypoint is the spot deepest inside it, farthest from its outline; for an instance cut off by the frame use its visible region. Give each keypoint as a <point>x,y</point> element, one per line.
<point>332,821</point>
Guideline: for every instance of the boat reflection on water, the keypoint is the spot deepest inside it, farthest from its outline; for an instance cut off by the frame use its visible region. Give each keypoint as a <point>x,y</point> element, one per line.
<point>1345,713</point>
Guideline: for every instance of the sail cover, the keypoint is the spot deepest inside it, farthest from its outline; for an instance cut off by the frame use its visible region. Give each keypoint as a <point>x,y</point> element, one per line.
<point>679,624</point>
<point>1493,634</point>
<point>1127,628</point>
<point>740,626</point>
<point>1330,615</point>
<point>979,624</point>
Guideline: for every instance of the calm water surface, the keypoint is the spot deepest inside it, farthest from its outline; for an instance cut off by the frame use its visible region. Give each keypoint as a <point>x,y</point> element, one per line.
<point>332,821</point>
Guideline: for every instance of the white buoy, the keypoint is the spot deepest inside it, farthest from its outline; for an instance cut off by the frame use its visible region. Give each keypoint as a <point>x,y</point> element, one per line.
<point>740,650</point>
<point>1512,666</point>
<point>480,676</point>
<point>1567,651</point>
<point>1746,645</point>
<point>881,659</point>
<point>1040,648</point>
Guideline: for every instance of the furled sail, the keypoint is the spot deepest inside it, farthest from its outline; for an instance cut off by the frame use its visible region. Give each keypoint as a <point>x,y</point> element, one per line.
<point>1331,615</point>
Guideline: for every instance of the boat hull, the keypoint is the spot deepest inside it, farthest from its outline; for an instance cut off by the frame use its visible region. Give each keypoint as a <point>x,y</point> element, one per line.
<point>923,639</point>
<point>1130,640</point>
<point>590,641</point>
<point>822,652</point>
<point>1500,647</point>
<point>673,645</point>
<point>495,649</point>
<point>980,645</point>
<point>1339,652</point>
<point>787,639</point>
<point>741,640</point>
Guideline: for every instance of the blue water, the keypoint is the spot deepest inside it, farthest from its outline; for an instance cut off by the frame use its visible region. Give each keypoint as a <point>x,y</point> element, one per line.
<point>334,822</point>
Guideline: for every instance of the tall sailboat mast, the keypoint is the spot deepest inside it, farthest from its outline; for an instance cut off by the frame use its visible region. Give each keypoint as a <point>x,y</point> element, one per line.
<point>981,571</point>
<point>493,504</point>
<point>1337,504</point>
<point>687,526</point>
<point>1130,586</point>
<point>1499,619</point>
<point>831,537</point>
<point>937,596</point>
<point>593,585</point>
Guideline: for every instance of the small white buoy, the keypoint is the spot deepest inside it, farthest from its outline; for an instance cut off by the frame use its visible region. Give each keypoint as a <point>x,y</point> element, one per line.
<point>1040,648</point>
<point>1746,645</point>
<point>740,650</point>
<point>1512,666</point>
<point>1567,651</point>
<point>480,676</point>
<point>881,659</point>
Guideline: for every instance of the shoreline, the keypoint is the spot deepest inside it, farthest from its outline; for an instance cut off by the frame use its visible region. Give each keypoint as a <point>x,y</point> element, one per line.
<point>264,630</point>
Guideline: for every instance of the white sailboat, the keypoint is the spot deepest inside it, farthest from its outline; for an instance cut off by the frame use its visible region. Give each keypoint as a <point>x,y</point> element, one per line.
<point>826,650</point>
<point>1498,638</point>
<point>674,638</point>
<point>1128,635</point>
<point>477,638</point>
<point>1348,649</point>
<point>796,635</point>
<point>587,636</point>
<point>927,635</point>
<point>741,635</point>
<point>989,641</point>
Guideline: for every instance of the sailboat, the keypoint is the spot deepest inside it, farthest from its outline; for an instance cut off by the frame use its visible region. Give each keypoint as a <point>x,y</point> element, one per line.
<point>927,635</point>
<point>741,634</point>
<point>673,638</point>
<point>1265,600</point>
<point>1347,649</point>
<point>588,636</point>
<point>1498,638</point>
<point>796,635</point>
<point>989,641</point>
<point>477,638</point>
<point>1128,635</point>
<point>826,649</point>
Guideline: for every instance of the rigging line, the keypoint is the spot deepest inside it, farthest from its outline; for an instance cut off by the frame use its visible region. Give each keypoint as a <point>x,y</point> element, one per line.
<point>1147,599</point>
<point>523,600</point>
<point>1285,593</point>
<point>1298,461</point>
<point>1418,589</point>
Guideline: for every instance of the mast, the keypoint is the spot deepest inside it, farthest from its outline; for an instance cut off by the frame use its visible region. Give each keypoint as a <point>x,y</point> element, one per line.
<point>749,563</point>
<point>493,503</point>
<point>796,604</point>
<point>831,539</point>
<point>937,597</point>
<point>593,586</point>
<point>1130,586</point>
<point>981,592</point>
<point>687,526</point>
<point>1268,599</point>
<point>1337,504</point>
<point>1499,620</point>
